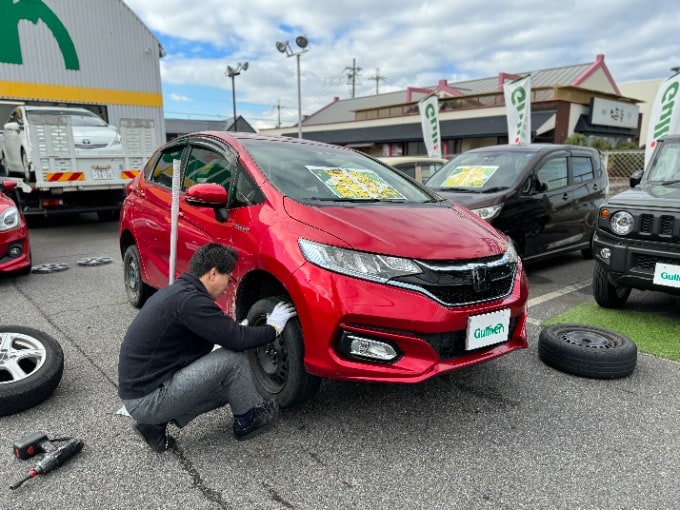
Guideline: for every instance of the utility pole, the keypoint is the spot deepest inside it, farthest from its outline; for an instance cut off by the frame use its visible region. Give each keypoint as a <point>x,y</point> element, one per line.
<point>278,107</point>
<point>377,79</point>
<point>352,75</point>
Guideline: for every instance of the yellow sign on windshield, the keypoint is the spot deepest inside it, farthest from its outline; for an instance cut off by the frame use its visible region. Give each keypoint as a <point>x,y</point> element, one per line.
<point>470,176</point>
<point>355,183</point>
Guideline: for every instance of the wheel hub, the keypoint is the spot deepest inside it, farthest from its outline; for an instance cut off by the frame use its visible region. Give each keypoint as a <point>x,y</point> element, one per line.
<point>588,339</point>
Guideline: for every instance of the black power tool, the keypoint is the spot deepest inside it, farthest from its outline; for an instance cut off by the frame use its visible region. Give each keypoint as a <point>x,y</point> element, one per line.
<point>55,456</point>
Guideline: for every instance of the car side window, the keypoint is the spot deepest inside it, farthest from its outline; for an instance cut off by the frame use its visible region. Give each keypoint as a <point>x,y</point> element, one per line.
<point>247,191</point>
<point>207,165</point>
<point>553,174</point>
<point>582,169</point>
<point>162,171</point>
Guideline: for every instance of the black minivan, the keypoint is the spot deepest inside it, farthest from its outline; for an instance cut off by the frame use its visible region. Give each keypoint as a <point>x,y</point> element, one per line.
<point>545,197</point>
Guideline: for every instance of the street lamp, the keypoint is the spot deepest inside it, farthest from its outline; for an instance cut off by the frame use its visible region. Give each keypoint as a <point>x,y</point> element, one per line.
<point>284,47</point>
<point>233,73</point>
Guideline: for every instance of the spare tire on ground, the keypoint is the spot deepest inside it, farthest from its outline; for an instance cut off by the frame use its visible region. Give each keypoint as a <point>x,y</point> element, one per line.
<point>31,366</point>
<point>587,351</point>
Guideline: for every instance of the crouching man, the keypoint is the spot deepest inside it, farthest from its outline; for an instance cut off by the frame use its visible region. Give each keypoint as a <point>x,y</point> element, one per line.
<point>168,369</point>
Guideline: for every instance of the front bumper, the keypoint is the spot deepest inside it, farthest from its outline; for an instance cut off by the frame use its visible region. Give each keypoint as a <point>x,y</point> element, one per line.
<point>15,253</point>
<point>631,262</point>
<point>429,337</point>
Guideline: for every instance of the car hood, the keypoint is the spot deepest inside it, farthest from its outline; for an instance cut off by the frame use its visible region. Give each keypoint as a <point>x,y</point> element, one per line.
<point>647,195</point>
<point>85,137</point>
<point>422,232</point>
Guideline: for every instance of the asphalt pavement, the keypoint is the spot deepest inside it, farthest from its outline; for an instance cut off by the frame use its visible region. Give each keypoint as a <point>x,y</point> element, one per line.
<point>512,433</point>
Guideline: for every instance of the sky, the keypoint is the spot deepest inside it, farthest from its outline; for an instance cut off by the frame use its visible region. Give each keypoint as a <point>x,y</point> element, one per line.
<point>388,45</point>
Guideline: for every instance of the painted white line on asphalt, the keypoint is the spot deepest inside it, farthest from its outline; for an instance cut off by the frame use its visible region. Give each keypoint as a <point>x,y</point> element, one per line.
<point>559,293</point>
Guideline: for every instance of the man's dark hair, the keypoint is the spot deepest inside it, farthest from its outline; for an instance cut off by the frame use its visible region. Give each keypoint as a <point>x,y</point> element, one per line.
<point>221,257</point>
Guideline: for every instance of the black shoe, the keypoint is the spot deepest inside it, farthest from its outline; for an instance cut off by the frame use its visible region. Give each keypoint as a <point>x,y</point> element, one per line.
<point>263,417</point>
<point>155,436</point>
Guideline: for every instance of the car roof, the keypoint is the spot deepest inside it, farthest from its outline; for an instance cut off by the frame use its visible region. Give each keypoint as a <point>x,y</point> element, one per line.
<point>532,147</point>
<point>240,135</point>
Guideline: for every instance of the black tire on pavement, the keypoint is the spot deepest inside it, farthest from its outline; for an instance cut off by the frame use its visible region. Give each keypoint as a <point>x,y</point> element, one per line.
<point>587,351</point>
<point>606,294</point>
<point>137,291</point>
<point>31,366</point>
<point>278,367</point>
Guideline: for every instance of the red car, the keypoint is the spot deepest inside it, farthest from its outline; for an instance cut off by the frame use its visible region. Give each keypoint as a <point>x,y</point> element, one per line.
<point>391,282</point>
<point>15,252</point>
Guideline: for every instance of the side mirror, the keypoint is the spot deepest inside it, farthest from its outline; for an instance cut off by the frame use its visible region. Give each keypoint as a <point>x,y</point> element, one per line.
<point>635,178</point>
<point>12,126</point>
<point>206,195</point>
<point>9,185</point>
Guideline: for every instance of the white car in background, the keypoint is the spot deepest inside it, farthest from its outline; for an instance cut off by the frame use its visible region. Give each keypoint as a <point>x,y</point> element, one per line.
<point>91,134</point>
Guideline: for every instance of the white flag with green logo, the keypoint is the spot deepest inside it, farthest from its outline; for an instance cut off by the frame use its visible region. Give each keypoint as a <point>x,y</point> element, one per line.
<point>518,110</point>
<point>665,117</point>
<point>429,119</point>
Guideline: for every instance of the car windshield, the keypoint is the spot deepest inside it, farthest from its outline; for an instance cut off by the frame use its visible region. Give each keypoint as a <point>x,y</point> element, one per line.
<point>78,118</point>
<point>305,171</point>
<point>666,168</point>
<point>481,172</point>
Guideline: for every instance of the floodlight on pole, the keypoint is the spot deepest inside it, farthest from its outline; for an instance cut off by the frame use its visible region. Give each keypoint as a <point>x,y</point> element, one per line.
<point>233,72</point>
<point>284,47</point>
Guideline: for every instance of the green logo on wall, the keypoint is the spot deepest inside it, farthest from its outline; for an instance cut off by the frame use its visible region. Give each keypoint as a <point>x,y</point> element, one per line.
<point>14,11</point>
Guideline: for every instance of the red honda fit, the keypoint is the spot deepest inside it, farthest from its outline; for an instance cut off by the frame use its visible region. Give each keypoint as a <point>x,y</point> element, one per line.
<point>15,251</point>
<point>391,282</point>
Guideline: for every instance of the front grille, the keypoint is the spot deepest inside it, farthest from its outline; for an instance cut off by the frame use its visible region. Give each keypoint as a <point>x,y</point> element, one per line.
<point>651,227</point>
<point>463,283</point>
<point>451,345</point>
<point>644,263</point>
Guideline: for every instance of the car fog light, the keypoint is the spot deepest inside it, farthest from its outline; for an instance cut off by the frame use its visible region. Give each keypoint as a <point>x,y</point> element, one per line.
<point>15,251</point>
<point>368,348</point>
<point>605,253</point>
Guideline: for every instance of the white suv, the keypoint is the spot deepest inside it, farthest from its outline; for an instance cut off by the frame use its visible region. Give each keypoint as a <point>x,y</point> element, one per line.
<point>91,135</point>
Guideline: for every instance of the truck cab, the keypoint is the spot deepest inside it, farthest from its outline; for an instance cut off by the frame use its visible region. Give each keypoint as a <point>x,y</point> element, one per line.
<point>637,241</point>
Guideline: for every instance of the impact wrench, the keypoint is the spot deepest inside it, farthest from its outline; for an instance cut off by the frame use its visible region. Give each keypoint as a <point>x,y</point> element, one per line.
<point>33,444</point>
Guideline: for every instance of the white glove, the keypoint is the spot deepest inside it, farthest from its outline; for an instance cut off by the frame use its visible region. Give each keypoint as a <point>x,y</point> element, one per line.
<point>244,322</point>
<point>280,315</point>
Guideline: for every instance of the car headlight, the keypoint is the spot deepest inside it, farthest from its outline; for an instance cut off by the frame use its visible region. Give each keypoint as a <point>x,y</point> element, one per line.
<point>488,213</point>
<point>368,266</point>
<point>9,219</point>
<point>622,223</point>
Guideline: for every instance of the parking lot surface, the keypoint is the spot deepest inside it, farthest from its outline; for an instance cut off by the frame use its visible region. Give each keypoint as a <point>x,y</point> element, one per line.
<point>509,434</point>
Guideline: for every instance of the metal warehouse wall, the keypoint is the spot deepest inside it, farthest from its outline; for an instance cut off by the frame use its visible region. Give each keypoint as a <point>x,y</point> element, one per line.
<point>81,51</point>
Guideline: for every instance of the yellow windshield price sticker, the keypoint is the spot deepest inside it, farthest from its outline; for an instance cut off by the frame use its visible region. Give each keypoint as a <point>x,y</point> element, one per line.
<point>355,183</point>
<point>471,176</point>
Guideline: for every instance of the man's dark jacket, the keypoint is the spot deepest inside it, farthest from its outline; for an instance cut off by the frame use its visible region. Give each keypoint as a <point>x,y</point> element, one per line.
<point>176,326</point>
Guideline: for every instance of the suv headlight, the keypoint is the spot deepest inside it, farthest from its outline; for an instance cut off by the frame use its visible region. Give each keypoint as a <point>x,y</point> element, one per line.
<point>368,266</point>
<point>9,219</point>
<point>488,213</point>
<point>622,223</point>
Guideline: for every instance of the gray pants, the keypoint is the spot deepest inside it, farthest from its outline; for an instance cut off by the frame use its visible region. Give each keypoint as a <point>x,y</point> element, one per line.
<point>218,378</point>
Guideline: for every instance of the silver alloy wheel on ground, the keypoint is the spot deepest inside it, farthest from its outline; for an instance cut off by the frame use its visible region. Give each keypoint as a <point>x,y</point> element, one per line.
<point>31,366</point>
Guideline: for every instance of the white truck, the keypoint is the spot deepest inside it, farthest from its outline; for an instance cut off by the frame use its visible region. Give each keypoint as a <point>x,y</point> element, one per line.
<point>71,161</point>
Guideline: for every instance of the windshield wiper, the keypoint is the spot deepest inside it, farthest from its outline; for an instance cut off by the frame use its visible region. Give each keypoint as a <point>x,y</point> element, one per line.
<point>346,199</point>
<point>453,188</point>
<point>495,189</point>
<point>671,183</point>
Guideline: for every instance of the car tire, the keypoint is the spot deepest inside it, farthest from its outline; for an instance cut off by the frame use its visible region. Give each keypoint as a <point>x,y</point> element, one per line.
<point>606,294</point>
<point>31,367</point>
<point>137,291</point>
<point>587,351</point>
<point>28,174</point>
<point>278,367</point>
